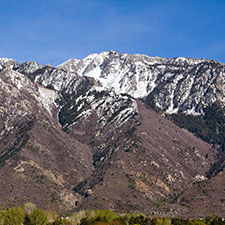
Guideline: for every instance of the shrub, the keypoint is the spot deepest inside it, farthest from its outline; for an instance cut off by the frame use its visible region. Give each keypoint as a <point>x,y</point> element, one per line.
<point>28,207</point>
<point>14,216</point>
<point>37,217</point>
<point>105,215</point>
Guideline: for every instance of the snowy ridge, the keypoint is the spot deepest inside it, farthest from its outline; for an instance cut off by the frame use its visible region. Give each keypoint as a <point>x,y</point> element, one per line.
<point>107,105</point>
<point>57,79</point>
<point>29,67</point>
<point>14,83</point>
<point>6,60</point>
<point>172,85</point>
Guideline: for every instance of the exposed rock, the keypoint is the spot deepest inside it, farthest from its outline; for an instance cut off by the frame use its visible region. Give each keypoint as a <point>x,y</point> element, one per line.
<point>82,135</point>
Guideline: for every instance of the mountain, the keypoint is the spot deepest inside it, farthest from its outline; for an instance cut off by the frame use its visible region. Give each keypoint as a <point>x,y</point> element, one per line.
<point>37,159</point>
<point>170,85</point>
<point>95,133</point>
<point>189,92</point>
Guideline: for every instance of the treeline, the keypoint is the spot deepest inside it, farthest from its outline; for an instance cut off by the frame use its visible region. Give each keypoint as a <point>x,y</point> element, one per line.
<point>28,214</point>
<point>210,127</point>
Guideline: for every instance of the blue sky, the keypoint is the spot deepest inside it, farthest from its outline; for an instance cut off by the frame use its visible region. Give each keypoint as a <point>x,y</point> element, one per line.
<point>52,31</point>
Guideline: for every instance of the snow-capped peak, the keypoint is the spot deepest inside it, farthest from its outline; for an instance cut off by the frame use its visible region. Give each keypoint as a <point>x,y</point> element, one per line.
<point>6,60</point>
<point>69,64</point>
<point>177,84</point>
<point>9,62</point>
<point>171,85</point>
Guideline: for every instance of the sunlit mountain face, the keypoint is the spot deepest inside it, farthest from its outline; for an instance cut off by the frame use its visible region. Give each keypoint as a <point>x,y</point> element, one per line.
<point>114,131</point>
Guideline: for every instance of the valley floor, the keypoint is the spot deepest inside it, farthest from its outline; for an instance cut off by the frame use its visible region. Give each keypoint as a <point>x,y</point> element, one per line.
<point>28,214</point>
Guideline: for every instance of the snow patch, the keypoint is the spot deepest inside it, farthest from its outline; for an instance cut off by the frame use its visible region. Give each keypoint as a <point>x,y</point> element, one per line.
<point>47,97</point>
<point>200,178</point>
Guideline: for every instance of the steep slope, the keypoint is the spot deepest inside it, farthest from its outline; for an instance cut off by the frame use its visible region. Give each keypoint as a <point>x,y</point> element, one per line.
<point>170,85</point>
<point>190,92</point>
<point>38,161</point>
<point>205,196</point>
<point>57,79</point>
<point>140,158</point>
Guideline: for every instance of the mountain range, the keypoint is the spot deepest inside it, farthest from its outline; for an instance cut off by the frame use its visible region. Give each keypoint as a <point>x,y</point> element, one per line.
<point>114,131</point>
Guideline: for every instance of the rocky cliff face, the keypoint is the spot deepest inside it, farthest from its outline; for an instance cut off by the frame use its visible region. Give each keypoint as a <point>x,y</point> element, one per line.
<point>83,135</point>
<point>170,85</point>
